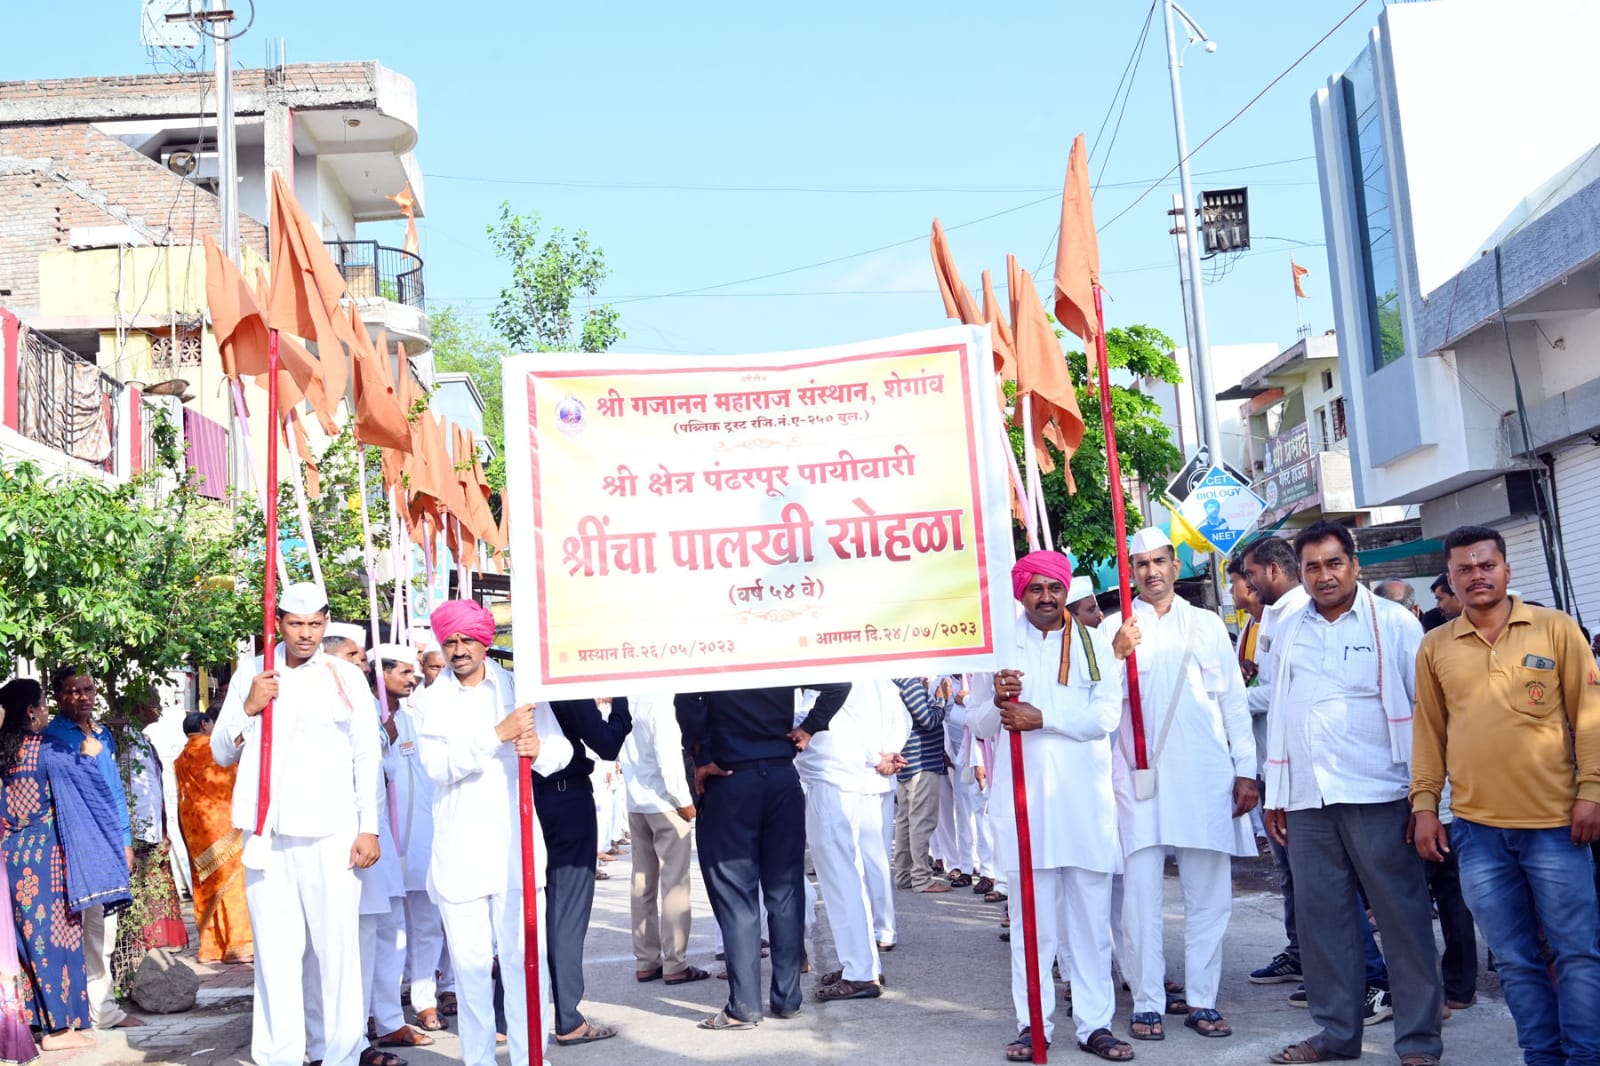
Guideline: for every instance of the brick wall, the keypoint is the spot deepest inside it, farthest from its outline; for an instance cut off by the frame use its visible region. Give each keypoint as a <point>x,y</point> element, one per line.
<point>69,175</point>
<point>296,77</point>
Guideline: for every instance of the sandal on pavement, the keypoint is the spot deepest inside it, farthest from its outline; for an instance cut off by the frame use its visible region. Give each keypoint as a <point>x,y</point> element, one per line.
<point>447,1004</point>
<point>835,976</point>
<point>373,1057</point>
<point>1021,1049</point>
<point>723,1020</point>
<point>1151,1021</point>
<point>961,880</point>
<point>1419,1058</point>
<point>645,976</point>
<point>405,1036</point>
<point>1305,1051</point>
<point>1101,1042</point>
<point>1214,1023</point>
<point>588,1034</point>
<point>886,947</point>
<point>994,897</point>
<point>688,974</point>
<point>982,885</point>
<point>428,1020</point>
<point>848,990</point>
<point>1177,1003</point>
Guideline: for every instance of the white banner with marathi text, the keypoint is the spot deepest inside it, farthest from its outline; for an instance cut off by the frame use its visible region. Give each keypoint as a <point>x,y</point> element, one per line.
<point>684,524</point>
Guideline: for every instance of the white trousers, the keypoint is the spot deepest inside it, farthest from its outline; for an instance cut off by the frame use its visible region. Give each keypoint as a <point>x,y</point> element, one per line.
<point>874,837</point>
<point>383,965</point>
<point>478,930</point>
<point>1207,881</point>
<point>836,824</point>
<point>1074,906</point>
<point>426,958</point>
<point>969,820</point>
<point>306,896</point>
<point>99,941</point>
<point>942,845</point>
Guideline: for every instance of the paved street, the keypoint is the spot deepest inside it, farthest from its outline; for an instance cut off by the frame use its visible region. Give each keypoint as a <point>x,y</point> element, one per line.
<point>948,1001</point>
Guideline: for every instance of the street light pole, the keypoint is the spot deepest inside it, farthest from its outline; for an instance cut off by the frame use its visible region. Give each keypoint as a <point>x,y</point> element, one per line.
<point>227,143</point>
<point>1200,352</point>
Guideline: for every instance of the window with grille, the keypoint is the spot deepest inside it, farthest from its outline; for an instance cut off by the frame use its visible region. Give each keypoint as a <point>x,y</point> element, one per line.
<point>173,350</point>
<point>1337,408</point>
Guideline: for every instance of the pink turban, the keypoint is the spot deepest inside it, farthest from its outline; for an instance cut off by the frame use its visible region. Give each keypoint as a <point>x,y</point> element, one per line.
<point>1050,564</point>
<point>467,617</point>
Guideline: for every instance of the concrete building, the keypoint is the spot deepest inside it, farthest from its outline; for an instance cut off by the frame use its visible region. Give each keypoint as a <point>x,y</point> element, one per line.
<point>110,185</point>
<point>1460,202</point>
<point>1295,441</point>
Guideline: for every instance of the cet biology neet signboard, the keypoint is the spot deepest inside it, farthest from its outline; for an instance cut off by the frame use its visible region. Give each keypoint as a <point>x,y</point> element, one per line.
<point>735,521</point>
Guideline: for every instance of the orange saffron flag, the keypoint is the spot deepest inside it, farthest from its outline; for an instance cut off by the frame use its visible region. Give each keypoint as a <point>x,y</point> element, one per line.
<point>378,419</point>
<point>1298,272</point>
<point>306,289</point>
<point>1043,374</point>
<point>1077,251</point>
<point>236,319</point>
<point>958,302</point>
<point>1005,352</point>
<point>408,207</point>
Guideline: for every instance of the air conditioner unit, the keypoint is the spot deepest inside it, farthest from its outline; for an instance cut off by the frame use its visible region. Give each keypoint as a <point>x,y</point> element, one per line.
<point>196,165</point>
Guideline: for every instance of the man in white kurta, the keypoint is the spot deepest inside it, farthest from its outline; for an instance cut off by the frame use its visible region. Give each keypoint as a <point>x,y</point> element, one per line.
<point>321,826</point>
<point>383,887</point>
<point>847,771</point>
<point>471,736</point>
<point>1063,703</point>
<point>427,961</point>
<point>1198,741</point>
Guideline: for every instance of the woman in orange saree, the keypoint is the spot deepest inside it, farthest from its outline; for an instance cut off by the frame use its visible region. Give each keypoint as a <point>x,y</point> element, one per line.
<point>205,803</point>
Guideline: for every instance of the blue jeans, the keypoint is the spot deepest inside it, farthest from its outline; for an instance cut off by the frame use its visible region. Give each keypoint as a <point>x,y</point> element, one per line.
<point>1518,882</point>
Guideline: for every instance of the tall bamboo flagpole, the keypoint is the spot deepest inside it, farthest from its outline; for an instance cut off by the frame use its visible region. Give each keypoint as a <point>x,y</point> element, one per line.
<point>269,582</point>
<point>1033,504</point>
<point>1119,520</point>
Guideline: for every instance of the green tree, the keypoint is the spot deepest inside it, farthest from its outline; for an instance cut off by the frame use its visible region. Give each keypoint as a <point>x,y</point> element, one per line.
<point>550,277</point>
<point>336,527</point>
<point>130,581</point>
<point>1083,520</point>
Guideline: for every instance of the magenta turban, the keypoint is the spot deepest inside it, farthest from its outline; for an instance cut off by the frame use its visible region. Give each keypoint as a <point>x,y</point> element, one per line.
<point>467,617</point>
<point>1050,564</point>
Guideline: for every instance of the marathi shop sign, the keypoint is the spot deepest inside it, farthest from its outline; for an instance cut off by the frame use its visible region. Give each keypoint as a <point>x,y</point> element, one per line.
<point>740,521</point>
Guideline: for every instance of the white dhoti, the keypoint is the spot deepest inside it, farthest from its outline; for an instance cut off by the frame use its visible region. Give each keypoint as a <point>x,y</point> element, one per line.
<point>967,814</point>
<point>425,954</point>
<point>383,964</point>
<point>476,929</point>
<point>306,896</point>
<point>942,845</point>
<point>836,822</point>
<point>1207,880</point>
<point>1070,908</point>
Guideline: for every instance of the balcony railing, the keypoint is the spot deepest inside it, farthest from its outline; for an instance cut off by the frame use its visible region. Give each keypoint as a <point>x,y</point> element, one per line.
<point>66,402</point>
<point>371,270</point>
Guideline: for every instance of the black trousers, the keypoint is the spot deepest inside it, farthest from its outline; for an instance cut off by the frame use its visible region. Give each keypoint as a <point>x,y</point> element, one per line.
<point>752,839</point>
<point>1459,965</point>
<point>571,841</point>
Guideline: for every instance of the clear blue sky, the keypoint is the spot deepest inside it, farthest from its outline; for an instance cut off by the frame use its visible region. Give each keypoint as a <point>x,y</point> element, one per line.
<point>958,110</point>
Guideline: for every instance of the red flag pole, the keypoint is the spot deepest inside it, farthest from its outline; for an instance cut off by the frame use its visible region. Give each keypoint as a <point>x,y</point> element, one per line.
<point>530,913</point>
<point>269,581</point>
<point>1119,519</point>
<point>1030,923</point>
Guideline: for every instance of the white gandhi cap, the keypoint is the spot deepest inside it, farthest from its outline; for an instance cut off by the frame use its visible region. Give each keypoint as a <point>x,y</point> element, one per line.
<point>393,653</point>
<point>1148,539</point>
<point>349,631</point>
<point>305,598</point>
<point>1082,588</point>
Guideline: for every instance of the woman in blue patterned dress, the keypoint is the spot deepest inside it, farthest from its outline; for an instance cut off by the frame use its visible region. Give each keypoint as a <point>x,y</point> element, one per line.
<point>49,935</point>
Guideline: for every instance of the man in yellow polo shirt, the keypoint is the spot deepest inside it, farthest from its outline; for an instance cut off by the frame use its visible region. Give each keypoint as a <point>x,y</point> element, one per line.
<point>1508,707</point>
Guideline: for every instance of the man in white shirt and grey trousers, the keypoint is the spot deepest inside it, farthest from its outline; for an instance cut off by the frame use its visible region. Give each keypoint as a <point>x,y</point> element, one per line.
<point>1338,779</point>
<point>321,826</point>
<point>660,823</point>
<point>471,736</point>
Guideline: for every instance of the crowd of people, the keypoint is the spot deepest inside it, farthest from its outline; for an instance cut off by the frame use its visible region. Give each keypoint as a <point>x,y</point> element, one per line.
<point>371,857</point>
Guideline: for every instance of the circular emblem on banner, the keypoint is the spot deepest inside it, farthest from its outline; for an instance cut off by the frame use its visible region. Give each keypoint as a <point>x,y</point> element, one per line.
<point>569,414</point>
